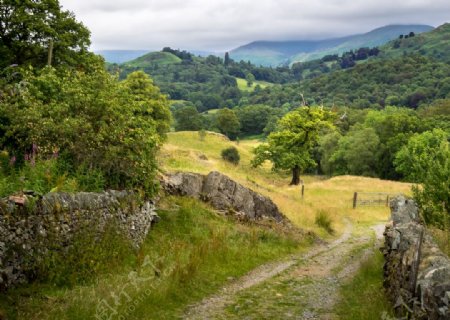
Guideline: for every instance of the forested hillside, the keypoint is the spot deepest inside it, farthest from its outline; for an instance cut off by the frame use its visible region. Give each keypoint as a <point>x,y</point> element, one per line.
<point>208,83</point>
<point>408,81</point>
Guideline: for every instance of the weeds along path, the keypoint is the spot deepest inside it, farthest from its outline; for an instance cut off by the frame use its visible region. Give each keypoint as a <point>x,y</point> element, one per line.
<point>302,287</point>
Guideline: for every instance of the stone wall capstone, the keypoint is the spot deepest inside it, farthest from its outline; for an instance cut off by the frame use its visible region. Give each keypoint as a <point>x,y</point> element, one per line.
<point>30,224</point>
<point>416,271</point>
<point>222,193</point>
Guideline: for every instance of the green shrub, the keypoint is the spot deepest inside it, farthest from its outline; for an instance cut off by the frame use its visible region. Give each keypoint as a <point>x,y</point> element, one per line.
<point>231,154</point>
<point>324,221</point>
<point>108,126</point>
<point>426,160</point>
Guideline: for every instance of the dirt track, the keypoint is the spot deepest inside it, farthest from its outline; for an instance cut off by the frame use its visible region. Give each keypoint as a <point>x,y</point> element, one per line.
<point>302,287</point>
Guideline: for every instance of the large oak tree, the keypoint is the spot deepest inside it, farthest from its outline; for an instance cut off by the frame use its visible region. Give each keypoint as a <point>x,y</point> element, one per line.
<point>290,147</point>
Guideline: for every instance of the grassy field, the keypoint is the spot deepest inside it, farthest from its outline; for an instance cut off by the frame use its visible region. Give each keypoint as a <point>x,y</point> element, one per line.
<point>242,85</point>
<point>332,197</point>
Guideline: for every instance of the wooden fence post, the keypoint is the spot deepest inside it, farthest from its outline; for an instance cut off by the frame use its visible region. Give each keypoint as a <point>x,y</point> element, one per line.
<point>355,199</point>
<point>303,190</point>
<point>50,52</point>
<point>417,263</point>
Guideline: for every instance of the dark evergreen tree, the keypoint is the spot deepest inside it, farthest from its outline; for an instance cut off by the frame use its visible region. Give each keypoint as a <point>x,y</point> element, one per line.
<point>227,59</point>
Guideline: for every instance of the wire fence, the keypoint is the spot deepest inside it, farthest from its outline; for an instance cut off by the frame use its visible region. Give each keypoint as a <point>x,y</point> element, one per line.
<point>372,199</point>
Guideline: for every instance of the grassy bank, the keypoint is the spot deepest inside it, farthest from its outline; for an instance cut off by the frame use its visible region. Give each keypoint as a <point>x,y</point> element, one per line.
<point>363,297</point>
<point>189,254</point>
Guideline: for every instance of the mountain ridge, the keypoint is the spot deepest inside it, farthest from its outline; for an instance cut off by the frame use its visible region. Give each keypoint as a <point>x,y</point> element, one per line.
<point>276,53</point>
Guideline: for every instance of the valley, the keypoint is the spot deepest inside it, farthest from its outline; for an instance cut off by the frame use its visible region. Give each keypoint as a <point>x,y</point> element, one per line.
<point>282,179</point>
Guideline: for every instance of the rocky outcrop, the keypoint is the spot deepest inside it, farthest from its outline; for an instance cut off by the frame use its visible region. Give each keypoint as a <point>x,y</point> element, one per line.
<point>416,271</point>
<point>29,225</point>
<point>222,193</point>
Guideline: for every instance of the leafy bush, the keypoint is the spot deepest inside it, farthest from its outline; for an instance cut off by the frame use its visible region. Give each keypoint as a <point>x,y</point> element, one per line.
<point>324,221</point>
<point>433,197</point>
<point>231,154</point>
<point>426,160</point>
<point>109,128</point>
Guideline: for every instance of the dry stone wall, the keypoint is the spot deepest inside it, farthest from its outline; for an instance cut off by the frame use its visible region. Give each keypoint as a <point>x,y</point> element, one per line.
<point>416,271</point>
<point>29,225</point>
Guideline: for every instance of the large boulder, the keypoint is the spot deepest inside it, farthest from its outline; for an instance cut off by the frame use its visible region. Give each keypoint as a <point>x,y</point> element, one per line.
<point>183,184</point>
<point>222,193</point>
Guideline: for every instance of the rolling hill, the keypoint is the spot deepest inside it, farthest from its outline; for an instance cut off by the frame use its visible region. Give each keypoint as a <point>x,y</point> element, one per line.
<point>154,58</point>
<point>275,53</point>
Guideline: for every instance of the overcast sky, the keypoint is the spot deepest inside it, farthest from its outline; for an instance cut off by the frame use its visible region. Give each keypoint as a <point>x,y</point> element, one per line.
<point>220,25</point>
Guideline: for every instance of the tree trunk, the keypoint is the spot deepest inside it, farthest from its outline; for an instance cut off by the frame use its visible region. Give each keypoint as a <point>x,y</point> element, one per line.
<point>295,176</point>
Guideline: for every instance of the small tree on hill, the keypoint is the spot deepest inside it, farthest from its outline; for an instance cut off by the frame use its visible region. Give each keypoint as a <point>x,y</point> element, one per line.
<point>187,118</point>
<point>250,79</point>
<point>290,147</point>
<point>228,123</point>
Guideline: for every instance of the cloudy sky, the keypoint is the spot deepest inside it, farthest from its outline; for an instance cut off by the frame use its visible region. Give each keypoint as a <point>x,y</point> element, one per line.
<point>219,25</point>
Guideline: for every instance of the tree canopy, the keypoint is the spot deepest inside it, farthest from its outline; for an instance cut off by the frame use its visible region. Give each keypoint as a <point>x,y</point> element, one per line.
<point>415,158</point>
<point>29,28</point>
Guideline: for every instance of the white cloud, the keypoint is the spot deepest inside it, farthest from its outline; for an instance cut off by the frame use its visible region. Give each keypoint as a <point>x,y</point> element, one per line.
<point>223,25</point>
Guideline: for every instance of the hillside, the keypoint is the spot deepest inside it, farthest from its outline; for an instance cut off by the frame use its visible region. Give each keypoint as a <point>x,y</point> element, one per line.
<point>409,81</point>
<point>435,44</point>
<point>205,82</point>
<point>275,53</point>
<point>332,195</point>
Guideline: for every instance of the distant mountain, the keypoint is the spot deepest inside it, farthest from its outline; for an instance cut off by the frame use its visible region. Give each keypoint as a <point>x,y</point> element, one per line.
<point>202,53</point>
<point>276,53</point>
<point>120,56</point>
